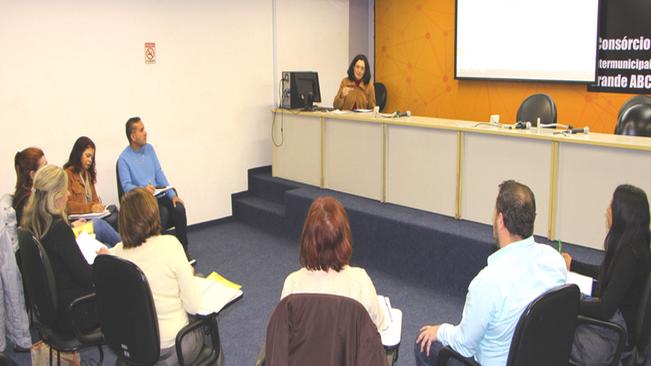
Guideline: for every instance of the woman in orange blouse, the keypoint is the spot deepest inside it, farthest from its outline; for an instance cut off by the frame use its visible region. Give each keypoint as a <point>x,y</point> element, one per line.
<point>356,91</point>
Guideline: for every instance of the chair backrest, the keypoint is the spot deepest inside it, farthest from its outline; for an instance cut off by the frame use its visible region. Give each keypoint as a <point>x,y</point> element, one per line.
<point>545,331</point>
<point>319,329</point>
<point>642,330</point>
<point>126,310</point>
<point>117,177</point>
<point>38,278</point>
<point>634,117</point>
<point>381,95</point>
<point>6,361</point>
<point>537,106</point>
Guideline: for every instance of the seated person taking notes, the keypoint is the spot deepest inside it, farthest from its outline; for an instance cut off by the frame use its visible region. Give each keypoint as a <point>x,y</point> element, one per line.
<point>518,272</point>
<point>138,166</point>
<point>171,279</point>
<point>83,199</point>
<point>356,90</point>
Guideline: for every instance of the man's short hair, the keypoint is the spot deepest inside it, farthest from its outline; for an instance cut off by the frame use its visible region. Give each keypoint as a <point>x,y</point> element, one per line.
<point>129,126</point>
<point>517,205</point>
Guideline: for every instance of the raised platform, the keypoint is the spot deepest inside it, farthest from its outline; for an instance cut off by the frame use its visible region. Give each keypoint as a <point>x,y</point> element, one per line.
<point>427,249</point>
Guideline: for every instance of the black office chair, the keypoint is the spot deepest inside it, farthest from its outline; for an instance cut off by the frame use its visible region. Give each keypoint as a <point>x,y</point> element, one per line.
<point>40,283</point>
<point>537,106</point>
<point>6,361</point>
<point>127,316</point>
<point>544,333</point>
<point>381,95</point>
<point>634,117</point>
<point>642,329</point>
<point>328,341</point>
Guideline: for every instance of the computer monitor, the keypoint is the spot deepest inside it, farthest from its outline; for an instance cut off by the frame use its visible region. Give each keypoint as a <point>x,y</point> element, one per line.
<point>300,89</point>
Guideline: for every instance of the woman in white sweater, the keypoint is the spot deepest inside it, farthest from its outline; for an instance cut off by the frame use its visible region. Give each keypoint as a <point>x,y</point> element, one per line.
<point>325,251</point>
<point>170,276</point>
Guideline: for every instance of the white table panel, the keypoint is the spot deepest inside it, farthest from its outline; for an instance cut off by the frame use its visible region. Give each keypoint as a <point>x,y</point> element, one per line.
<point>298,157</point>
<point>353,157</point>
<point>587,178</point>
<point>491,159</point>
<point>422,168</point>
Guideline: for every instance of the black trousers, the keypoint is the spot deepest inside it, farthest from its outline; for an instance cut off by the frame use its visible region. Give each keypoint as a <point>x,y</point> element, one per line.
<point>171,216</point>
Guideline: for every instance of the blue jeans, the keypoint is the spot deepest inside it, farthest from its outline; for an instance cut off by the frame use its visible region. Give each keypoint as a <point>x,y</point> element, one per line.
<point>423,360</point>
<point>105,233</point>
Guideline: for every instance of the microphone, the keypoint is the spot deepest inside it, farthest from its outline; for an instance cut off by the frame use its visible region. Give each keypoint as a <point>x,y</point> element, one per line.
<point>585,130</point>
<point>522,125</point>
<point>398,114</point>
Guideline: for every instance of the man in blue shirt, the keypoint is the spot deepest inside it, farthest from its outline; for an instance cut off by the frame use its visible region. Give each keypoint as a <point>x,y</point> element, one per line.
<point>516,274</point>
<point>138,166</point>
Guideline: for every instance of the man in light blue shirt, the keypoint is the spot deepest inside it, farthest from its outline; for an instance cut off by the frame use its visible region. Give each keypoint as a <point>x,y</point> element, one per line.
<point>138,166</point>
<point>516,274</point>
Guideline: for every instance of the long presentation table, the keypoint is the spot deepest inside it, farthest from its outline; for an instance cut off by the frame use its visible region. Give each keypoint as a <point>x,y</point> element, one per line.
<point>453,167</point>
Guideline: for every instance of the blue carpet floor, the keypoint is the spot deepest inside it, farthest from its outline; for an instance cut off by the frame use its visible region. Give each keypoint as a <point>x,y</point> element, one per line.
<point>260,262</point>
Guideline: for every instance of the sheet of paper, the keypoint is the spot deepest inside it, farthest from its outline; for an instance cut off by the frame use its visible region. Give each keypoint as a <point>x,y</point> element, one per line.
<point>584,282</point>
<point>89,246</point>
<point>391,335</point>
<point>160,191</point>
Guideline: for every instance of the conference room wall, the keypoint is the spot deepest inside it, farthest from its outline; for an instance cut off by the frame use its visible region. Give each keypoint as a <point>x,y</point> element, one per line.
<point>414,46</point>
<point>312,35</point>
<point>77,68</point>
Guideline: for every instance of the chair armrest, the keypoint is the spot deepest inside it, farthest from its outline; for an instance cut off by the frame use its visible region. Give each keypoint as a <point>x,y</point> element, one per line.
<point>210,321</point>
<point>446,352</point>
<point>621,333</point>
<point>93,337</point>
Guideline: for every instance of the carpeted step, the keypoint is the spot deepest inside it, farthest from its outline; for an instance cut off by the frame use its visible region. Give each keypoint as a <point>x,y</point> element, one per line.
<point>261,213</point>
<point>263,185</point>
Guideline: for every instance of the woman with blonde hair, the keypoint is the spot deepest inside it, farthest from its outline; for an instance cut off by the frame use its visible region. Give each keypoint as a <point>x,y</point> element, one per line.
<point>44,215</point>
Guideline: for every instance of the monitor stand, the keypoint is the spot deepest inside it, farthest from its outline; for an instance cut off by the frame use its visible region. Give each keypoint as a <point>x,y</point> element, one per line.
<point>309,103</point>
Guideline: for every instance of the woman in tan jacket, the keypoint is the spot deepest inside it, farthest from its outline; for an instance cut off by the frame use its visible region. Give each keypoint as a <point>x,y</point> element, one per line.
<point>356,91</point>
<point>82,176</point>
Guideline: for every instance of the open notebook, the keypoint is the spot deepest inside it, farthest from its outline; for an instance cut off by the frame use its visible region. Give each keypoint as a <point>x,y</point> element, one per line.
<point>216,293</point>
<point>391,335</point>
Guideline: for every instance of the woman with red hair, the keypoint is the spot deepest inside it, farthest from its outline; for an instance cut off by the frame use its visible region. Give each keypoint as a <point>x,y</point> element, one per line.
<point>325,251</point>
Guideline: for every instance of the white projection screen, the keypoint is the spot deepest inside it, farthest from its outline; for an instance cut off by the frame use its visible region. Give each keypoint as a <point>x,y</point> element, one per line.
<point>545,40</point>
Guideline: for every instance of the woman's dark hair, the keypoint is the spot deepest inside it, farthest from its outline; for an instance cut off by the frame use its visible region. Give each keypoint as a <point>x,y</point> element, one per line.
<point>139,217</point>
<point>25,162</point>
<point>630,226</point>
<point>326,241</point>
<point>74,160</point>
<point>367,69</point>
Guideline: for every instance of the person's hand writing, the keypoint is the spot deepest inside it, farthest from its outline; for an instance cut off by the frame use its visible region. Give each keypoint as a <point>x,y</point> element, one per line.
<point>151,189</point>
<point>426,337</point>
<point>345,91</point>
<point>568,260</point>
<point>176,200</point>
<point>97,207</point>
<point>103,250</point>
<point>78,223</point>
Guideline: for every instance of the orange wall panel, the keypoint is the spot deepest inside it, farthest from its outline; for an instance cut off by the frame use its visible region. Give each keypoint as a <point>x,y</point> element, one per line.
<point>414,58</point>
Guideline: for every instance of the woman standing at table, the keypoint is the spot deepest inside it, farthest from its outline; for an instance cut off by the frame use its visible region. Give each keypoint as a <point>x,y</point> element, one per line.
<point>356,91</point>
<point>621,276</point>
<point>82,177</point>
